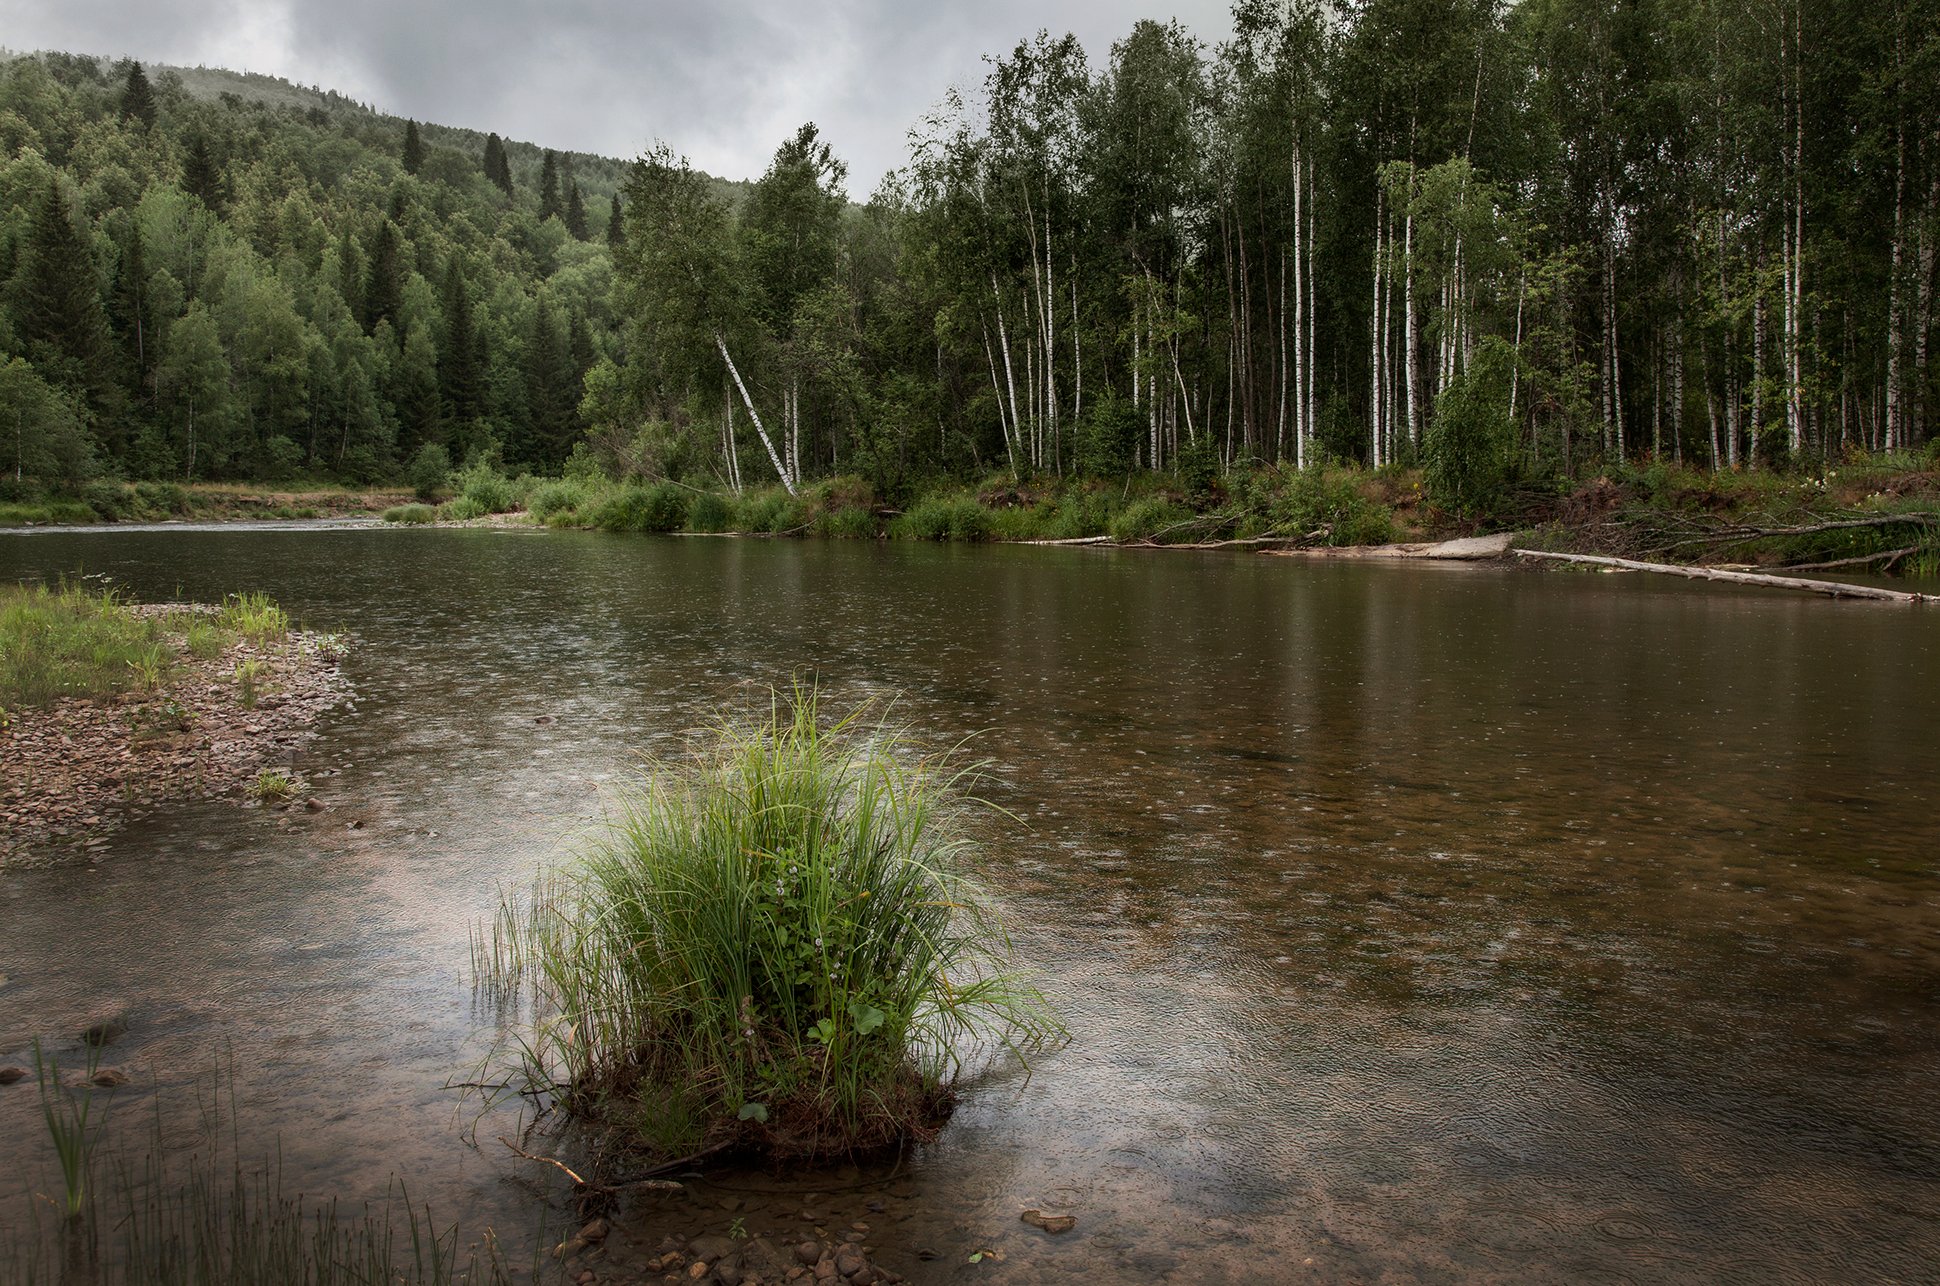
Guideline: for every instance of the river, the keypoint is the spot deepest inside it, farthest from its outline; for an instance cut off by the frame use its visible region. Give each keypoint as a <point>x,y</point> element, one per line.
<point>1411,921</point>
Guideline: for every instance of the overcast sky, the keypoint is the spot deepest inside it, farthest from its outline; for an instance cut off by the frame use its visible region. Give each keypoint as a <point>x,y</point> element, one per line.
<point>723,82</point>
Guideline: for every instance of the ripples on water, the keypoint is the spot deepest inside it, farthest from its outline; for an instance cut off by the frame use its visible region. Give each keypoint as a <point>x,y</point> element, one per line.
<point>1411,922</point>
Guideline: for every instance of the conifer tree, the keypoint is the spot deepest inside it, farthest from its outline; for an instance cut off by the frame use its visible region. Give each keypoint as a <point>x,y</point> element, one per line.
<point>549,187</point>
<point>616,224</point>
<point>130,312</point>
<point>579,345</point>
<point>137,97</point>
<point>201,177</point>
<point>458,359</point>
<point>60,315</point>
<point>497,168</point>
<point>413,157</point>
<point>551,389</point>
<point>575,212</point>
<point>384,279</point>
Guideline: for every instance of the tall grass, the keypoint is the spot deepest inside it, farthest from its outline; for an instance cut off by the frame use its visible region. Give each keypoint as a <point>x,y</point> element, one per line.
<point>68,1115</point>
<point>770,943</point>
<point>73,642</point>
<point>256,617</point>
<point>166,1218</point>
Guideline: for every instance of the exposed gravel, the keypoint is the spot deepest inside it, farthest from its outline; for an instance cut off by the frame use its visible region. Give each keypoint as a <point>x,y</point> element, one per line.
<point>72,774</point>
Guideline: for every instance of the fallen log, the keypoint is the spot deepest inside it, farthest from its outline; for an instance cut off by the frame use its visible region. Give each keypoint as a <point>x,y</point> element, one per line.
<point>1830,588</point>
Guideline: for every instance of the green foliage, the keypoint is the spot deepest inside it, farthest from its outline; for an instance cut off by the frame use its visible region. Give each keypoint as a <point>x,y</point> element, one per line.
<point>72,642</point>
<point>771,513</point>
<point>567,496</point>
<point>1108,438</point>
<point>256,617</point>
<point>1470,455</point>
<point>852,521</point>
<point>273,786</point>
<point>711,511</point>
<point>774,935</point>
<point>430,471</point>
<point>943,518</point>
<point>68,1114</point>
<point>1148,519</point>
<point>160,1215</point>
<point>659,508</point>
<point>1326,503</point>
<point>464,509</point>
<point>411,515</point>
<point>486,491</point>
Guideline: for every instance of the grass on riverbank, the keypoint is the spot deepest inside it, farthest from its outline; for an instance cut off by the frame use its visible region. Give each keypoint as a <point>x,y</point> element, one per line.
<point>771,945</point>
<point>75,642</point>
<point>109,501</point>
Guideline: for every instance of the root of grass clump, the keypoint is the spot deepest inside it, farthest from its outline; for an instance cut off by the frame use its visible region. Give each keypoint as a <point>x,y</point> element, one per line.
<point>769,946</point>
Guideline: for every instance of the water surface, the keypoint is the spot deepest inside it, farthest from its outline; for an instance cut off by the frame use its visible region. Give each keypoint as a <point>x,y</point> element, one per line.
<point>1412,922</point>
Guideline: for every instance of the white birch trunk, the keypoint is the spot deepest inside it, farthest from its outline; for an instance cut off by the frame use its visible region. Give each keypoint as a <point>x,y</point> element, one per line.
<point>720,342</point>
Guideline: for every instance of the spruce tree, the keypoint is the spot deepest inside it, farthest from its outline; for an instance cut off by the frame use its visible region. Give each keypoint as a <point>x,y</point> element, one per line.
<point>384,279</point>
<point>551,389</point>
<point>413,157</point>
<point>616,224</point>
<point>137,97</point>
<point>458,359</point>
<point>130,314</point>
<point>497,168</point>
<point>201,177</point>
<point>579,345</point>
<point>60,315</point>
<point>549,187</point>
<point>575,212</point>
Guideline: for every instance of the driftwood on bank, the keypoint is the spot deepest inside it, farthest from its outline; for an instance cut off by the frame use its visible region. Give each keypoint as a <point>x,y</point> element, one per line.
<point>1469,549</point>
<point>1831,588</point>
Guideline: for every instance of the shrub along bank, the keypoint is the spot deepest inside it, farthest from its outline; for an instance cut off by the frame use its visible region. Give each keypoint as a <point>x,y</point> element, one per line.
<point>1866,513</point>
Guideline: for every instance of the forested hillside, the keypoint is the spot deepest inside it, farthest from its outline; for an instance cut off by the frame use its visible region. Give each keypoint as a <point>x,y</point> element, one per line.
<point>218,276</point>
<point>1500,241</point>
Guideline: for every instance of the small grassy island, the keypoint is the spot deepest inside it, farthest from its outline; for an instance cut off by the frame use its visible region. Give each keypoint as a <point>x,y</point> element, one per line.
<point>769,946</point>
<point>107,708</point>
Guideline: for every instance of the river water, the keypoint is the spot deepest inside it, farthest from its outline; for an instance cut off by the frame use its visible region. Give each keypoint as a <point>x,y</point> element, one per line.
<point>1412,922</point>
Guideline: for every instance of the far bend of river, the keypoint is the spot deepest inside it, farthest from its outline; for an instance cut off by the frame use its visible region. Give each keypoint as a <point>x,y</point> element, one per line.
<point>1412,922</point>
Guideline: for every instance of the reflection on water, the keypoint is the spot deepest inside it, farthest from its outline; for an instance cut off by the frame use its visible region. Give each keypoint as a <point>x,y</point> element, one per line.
<point>1411,922</point>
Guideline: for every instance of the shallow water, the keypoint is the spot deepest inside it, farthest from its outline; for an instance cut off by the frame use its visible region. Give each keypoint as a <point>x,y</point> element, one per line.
<point>1412,922</point>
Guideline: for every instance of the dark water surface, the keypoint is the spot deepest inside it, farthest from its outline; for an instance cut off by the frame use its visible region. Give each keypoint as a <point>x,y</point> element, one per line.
<point>1412,922</point>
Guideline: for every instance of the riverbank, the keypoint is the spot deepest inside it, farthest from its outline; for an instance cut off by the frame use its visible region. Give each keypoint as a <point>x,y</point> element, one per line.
<point>1871,515</point>
<point>113,502</point>
<point>210,702</point>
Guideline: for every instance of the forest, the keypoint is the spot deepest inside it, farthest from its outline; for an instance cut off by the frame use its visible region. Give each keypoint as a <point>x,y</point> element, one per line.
<point>1499,242</point>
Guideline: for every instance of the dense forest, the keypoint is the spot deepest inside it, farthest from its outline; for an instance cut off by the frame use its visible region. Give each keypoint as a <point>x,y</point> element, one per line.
<point>1496,240</point>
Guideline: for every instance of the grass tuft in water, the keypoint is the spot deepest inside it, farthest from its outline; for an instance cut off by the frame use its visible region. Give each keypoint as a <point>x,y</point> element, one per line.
<point>168,1217</point>
<point>771,944</point>
<point>68,1115</point>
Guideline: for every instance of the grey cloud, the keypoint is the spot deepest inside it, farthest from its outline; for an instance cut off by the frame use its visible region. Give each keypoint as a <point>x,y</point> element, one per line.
<point>723,83</point>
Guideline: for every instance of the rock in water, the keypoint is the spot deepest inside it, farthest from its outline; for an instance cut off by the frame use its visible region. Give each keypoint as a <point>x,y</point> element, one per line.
<point>111,1028</point>
<point>1049,1223</point>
